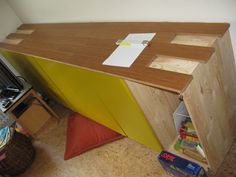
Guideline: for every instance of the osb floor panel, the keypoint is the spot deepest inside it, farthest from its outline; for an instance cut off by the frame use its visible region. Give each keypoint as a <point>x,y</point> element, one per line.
<point>228,167</point>
<point>122,158</point>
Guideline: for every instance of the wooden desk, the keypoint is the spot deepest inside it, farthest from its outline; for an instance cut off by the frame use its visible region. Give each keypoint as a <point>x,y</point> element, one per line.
<point>36,114</point>
<point>192,62</point>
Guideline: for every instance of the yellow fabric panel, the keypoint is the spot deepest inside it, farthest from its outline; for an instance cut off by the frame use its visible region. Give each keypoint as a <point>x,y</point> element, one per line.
<point>120,102</point>
<point>101,97</point>
<point>78,88</point>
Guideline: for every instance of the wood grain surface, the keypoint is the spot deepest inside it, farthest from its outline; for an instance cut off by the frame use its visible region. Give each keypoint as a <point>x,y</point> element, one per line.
<point>158,107</point>
<point>87,45</point>
<point>212,109</point>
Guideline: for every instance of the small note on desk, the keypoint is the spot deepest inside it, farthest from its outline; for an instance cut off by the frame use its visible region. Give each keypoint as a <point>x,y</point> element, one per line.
<point>129,49</point>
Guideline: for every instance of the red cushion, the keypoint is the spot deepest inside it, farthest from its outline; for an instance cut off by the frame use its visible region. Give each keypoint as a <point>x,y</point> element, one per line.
<point>84,134</point>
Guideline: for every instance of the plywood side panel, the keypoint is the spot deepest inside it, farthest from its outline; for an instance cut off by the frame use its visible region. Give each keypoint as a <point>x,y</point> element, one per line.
<point>207,104</point>
<point>158,107</point>
<point>225,53</point>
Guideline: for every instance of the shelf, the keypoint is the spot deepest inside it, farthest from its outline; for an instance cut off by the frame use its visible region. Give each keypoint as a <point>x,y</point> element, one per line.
<point>181,114</point>
<point>172,150</point>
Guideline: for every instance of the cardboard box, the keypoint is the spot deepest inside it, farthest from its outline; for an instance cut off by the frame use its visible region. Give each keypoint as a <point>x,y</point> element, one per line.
<point>179,167</point>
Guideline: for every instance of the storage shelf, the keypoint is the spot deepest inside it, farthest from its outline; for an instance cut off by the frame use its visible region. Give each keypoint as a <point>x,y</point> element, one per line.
<point>185,54</point>
<point>173,151</point>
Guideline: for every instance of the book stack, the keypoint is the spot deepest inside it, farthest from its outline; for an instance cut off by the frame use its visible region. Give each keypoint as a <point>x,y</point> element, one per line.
<point>188,142</point>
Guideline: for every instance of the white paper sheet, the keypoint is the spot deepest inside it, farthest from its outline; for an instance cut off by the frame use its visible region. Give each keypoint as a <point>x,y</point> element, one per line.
<point>124,56</point>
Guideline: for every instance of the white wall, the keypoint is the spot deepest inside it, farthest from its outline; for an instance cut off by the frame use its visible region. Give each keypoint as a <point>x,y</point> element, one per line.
<point>8,24</point>
<point>8,20</point>
<point>45,11</point>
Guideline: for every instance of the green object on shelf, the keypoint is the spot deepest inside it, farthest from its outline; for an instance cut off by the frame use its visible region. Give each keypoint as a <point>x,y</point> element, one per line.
<point>177,145</point>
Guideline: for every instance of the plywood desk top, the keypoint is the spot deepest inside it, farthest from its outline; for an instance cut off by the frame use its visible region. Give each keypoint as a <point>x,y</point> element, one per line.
<point>87,45</point>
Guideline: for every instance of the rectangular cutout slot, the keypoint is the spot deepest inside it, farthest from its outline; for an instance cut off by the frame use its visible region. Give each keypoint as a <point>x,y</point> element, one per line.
<point>195,40</point>
<point>12,41</point>
<point>174,64</point>
<point>24,31</point>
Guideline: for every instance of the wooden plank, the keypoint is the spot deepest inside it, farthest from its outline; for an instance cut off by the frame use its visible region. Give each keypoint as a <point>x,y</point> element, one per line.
<point>175,82</point>
<point>176,27</point>
<point>174,64</point>
<point>103,48</point>
<point>192,53</point>
<point>94,41</point>
<point>161,37</point>
<point>107,46</point>
<point>206,101</point>
<point>87,45</point>
<point>158,107</point>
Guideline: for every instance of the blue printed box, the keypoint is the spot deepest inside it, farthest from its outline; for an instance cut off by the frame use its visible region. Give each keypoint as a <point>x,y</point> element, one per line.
<point>179,167</point>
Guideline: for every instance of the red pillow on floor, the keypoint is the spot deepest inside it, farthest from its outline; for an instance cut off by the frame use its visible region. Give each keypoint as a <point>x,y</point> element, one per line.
<point>84,134</point>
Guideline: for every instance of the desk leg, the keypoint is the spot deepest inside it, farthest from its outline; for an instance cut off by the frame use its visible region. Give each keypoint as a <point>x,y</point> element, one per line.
<point>54,115</point>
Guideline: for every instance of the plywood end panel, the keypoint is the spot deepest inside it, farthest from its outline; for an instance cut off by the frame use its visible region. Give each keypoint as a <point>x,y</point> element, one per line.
<point>206,101</point>
<point>224,52</point>
<point>158,107</point>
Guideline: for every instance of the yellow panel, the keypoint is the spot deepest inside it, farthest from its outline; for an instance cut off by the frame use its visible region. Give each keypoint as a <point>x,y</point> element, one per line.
<point>101,97</point>
<point>77,86</point>
<point>119,101</point>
